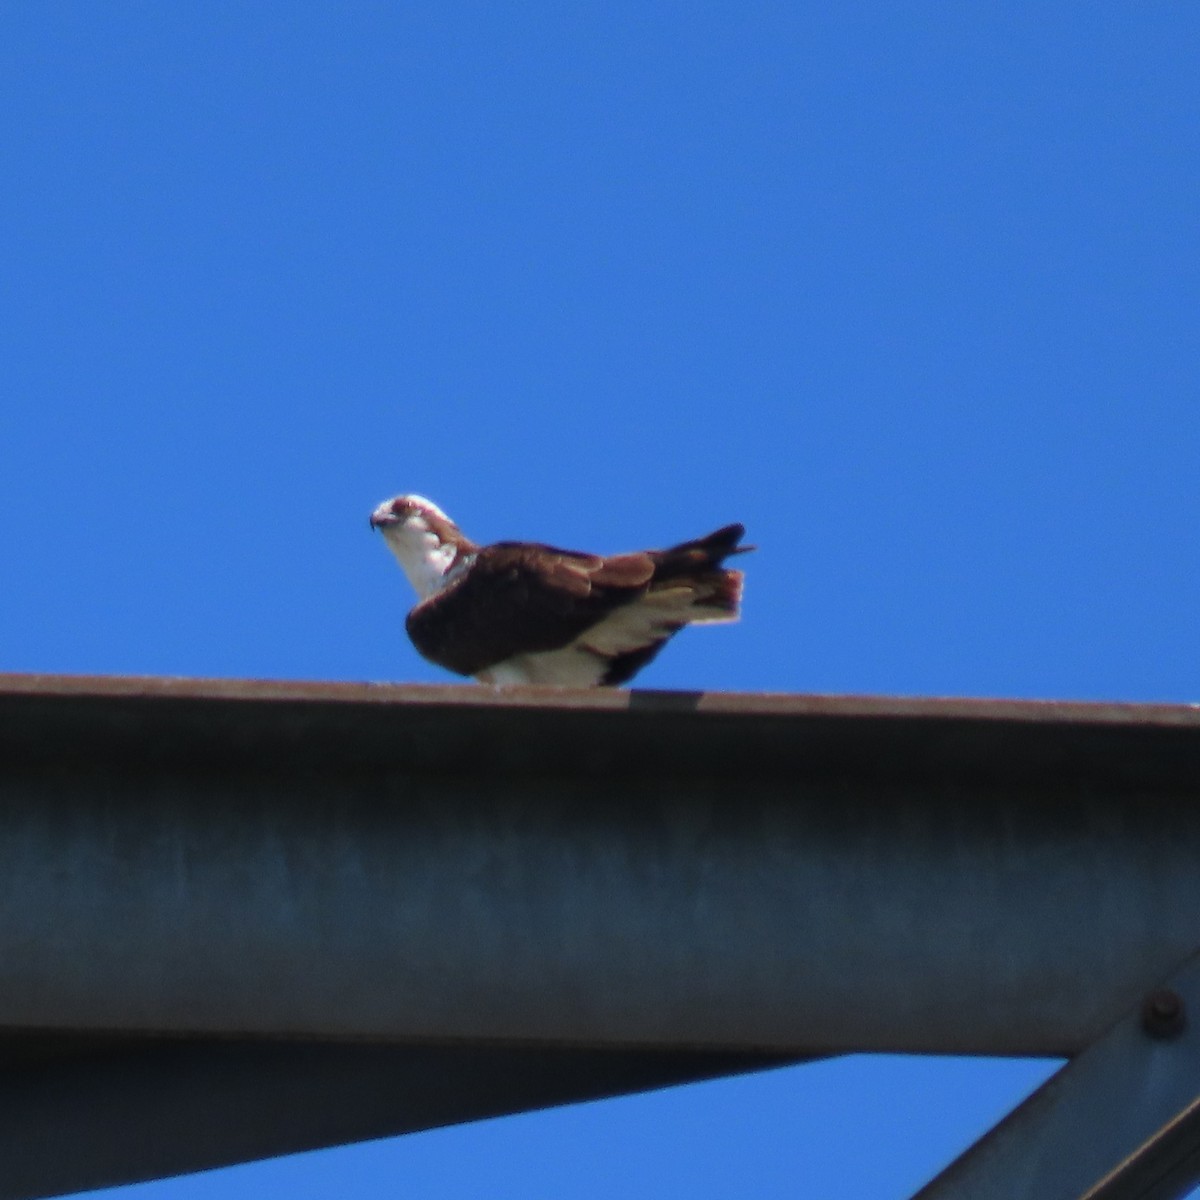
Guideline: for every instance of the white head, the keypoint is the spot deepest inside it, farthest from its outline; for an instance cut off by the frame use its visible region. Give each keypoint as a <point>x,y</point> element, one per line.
<point>424,540</point>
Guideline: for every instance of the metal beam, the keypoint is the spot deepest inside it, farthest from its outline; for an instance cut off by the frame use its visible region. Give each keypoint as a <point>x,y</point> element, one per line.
<point>798,875</point>
<point>121,1110</point>
<point>1121,1121</point>
<point>629,873</point>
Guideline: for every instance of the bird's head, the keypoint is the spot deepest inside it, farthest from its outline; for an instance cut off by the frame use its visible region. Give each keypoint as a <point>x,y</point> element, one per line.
<point>424,540</point>
<point>414,511</point>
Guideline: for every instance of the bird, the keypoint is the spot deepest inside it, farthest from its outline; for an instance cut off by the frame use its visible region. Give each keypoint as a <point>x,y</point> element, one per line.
<point>516,613</point>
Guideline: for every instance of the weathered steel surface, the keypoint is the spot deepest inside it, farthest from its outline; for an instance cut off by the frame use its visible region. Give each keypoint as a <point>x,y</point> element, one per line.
<point>797,874</point>
<point>613,889</point>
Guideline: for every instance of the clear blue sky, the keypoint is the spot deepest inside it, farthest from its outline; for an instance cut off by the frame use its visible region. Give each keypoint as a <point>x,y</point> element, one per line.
<point>910,289</point>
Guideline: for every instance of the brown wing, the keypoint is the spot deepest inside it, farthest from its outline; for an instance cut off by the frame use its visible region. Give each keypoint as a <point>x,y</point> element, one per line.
<point>523,598</point>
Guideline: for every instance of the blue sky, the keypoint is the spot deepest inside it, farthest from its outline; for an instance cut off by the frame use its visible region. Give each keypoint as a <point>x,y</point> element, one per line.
<point>911,290</point>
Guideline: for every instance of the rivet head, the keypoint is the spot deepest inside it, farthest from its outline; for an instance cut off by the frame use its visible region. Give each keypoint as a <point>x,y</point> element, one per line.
<point>1163,1014</point>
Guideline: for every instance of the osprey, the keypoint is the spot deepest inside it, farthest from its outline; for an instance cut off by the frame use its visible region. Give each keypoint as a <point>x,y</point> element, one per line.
<point>522,612</point>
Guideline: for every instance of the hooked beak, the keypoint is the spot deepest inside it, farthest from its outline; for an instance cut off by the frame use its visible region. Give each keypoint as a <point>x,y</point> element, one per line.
<point>382,517</point>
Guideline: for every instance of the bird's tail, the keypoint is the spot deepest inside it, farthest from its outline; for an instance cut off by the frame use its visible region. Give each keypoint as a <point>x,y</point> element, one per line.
<point>695,567</point>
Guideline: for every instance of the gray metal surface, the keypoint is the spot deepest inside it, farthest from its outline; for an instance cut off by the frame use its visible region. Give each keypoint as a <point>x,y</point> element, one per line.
<point>1121,1121</point>
<point>798,875</point>
<point>662,880</point>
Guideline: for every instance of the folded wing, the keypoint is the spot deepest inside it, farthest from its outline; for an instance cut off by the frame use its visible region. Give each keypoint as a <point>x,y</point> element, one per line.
<point>519,599</point>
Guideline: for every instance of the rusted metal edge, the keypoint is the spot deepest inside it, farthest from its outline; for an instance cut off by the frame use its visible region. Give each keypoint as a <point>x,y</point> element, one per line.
<point>468,728</point>
<point>602,699</point>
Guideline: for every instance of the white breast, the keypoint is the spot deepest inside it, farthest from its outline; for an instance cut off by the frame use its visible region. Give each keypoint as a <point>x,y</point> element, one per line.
<point>424,557</point>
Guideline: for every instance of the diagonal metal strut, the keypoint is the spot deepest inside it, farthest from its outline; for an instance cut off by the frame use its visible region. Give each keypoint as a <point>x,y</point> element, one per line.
<point>1121,1121</point>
